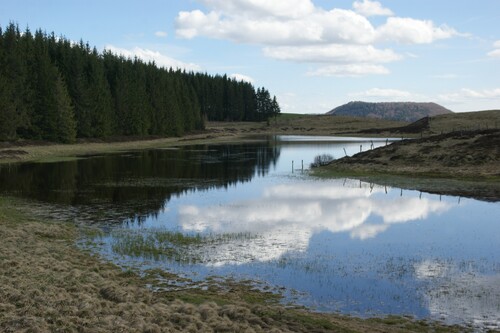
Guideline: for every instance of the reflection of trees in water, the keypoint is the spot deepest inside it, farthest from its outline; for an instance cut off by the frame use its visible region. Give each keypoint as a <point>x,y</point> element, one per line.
<point>138,184</point>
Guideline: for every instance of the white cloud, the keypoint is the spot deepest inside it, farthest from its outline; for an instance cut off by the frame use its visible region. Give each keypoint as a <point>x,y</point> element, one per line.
<point>377,92</point>
<point>262,8</point>
<point>319,27</point>
<point>371,8</point>
<point>467,94</point>
<point>150,56</point>
<point>350,70</point>
<point>467,99</point>
<point>272,23</point>
<point>161,34</point>
<point>496,52</point>
<point>412,31</point>
<point>242,77</point>
<point>334,53</point>
<point>297,30</point>
<point>389,95</point>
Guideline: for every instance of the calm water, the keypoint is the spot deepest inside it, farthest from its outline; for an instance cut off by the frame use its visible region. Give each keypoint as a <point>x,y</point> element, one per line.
<point>333,245</point>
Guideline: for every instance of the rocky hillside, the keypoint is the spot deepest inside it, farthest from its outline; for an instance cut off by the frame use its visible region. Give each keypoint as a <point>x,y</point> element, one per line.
<point>400,111</point>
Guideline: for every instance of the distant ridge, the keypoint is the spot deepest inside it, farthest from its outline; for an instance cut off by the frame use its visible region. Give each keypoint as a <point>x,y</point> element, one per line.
<point>401,111</point>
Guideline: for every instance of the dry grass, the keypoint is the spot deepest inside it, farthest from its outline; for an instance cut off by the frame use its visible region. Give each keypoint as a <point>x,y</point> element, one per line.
<point>291,124</point>
<point>61,152</point>
<point>459,163</point>
<point>465,121</point>
<point>295,124</point>
<point>48,285</point>
<point>215,132</point>
<point>467,155</point>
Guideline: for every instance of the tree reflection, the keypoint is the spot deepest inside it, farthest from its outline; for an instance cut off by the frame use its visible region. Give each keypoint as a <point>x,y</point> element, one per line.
<point>137,184</point>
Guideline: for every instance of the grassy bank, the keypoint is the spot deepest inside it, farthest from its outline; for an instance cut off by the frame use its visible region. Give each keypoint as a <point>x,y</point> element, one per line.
<point>458,163</point>
<point>216,132</point>
<point>49,285</point>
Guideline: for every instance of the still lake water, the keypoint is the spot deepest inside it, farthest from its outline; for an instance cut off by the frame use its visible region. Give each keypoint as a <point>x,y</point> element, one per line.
<point>336,245</point>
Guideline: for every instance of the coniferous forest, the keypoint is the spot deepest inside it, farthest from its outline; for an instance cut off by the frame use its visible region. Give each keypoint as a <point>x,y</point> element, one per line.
<point>56,90</point>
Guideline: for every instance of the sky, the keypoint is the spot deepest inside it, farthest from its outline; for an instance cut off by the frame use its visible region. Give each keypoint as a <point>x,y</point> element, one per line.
<point>314,55</point>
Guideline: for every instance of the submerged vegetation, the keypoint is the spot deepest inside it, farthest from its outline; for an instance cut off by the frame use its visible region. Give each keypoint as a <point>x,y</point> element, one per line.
<point>49,285</point>
<point>177,246</point>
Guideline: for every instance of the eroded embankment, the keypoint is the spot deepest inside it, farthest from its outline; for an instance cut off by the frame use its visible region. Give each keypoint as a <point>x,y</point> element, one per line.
<point>48,285</point>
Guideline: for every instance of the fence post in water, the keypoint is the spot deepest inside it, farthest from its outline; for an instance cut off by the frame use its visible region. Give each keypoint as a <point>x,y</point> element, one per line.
<point>302,165</point>
<point>360,148</point>
<point>345,152</point>
<point>292,166</point>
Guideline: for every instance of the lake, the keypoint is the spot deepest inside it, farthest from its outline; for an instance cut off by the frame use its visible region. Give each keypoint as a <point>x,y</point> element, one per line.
<point>252,212</point>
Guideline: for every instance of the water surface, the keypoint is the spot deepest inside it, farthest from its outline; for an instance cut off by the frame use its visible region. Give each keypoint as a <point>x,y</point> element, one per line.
<point>334,245</point>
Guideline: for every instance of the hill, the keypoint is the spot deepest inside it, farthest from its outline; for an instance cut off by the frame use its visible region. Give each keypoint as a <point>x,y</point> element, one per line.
<point>455,154</point>
<point>400,111</point>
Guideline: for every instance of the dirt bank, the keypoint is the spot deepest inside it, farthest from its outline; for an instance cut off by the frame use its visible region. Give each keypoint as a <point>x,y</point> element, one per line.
<point>466,162</point>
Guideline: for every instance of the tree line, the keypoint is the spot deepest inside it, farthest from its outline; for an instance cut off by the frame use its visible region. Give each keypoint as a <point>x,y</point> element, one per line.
<point>56,90</point>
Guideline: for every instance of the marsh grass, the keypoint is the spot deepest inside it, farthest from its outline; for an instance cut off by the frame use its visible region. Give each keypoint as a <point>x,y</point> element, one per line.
<point>174,245</point>
<point>49,285</point>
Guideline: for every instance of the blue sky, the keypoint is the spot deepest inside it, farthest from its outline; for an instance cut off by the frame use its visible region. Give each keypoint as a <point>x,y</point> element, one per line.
<point>313,55</point>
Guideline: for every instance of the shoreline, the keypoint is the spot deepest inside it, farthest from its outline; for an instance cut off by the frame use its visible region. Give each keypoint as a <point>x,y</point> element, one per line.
<point>50,284</point>
<point>215,132</point>
<point>448,164</point>
<point>65,287</point>
<point>457,163</point>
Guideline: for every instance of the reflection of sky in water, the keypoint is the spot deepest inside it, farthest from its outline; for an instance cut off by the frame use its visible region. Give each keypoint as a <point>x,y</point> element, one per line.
<point>347,246</point>
<point>287,215</point>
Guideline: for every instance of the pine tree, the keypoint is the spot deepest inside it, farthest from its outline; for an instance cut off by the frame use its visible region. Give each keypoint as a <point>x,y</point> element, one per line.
<point>8,119</point>
<point>275,108</point>
<point>65,130</point>
<point>49,87</point>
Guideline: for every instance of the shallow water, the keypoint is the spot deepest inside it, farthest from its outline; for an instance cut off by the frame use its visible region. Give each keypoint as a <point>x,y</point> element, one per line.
<point>333,245</point>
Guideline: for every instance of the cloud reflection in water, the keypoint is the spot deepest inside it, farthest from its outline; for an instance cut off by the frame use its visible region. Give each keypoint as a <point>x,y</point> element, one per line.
<point>460,295</point>
<point>286,216</point>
